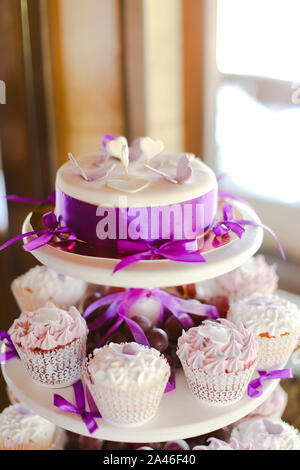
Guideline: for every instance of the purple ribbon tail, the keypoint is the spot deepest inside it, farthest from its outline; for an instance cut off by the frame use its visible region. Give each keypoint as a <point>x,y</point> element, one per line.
<point>256,386</point>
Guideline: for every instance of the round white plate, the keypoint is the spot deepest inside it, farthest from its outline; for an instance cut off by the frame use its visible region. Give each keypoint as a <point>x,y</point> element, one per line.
<point>180,415</point>
<point>154,273</point>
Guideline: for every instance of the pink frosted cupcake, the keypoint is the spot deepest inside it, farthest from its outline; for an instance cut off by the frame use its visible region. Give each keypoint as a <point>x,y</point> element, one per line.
<point>218,359</point>
<point>40,285</point>
<point>51,343</point>
<point>274,321</point>
<point>127,382</point>
<point>265,434</point>
<point>217,444</point>
<point>255,276</point>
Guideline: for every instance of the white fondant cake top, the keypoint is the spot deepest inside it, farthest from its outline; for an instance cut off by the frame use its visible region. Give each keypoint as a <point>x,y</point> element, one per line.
<point>137,185</point>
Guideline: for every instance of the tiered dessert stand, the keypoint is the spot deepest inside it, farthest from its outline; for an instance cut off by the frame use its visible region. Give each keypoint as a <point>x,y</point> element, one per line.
<point>180,415</point>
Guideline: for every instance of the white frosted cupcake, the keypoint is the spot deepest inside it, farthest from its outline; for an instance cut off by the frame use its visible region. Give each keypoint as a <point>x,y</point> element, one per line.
<point>265,434</point>
<point>276,323</point>
<point>51,343</point>
<point>40,285</point>
<point>255,276</point>
<point>127,382</point>
<point>218,359</point>
<point>21,429</point>
<point>273,407</point>
<point>217,444</point>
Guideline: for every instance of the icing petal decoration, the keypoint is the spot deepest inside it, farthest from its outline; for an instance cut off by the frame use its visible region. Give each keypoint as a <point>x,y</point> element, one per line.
<point>135,152</point>
<point>118,148</point>
<point>256,386</point>
<point>129,184</point>
<point>78,167</point>
<point>88,417</point>
<point>183,171</point>
<point>216,334</point>
<point>151,147</point>
<point>273,428</point>
<point>102,173</point>
<point>10,350</point>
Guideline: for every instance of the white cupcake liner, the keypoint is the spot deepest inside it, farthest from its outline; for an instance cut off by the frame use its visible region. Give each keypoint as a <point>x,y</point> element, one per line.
<point>125,408</point>
<point>58,368</point>
<point>57,442</point>
<point>275,352</point>
<point>218,389</point>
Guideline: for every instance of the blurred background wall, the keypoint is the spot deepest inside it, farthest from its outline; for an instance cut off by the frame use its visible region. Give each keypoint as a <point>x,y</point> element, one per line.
<point>219,78</point>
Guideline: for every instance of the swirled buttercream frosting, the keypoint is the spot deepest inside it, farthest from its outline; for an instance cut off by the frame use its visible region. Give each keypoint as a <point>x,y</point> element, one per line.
<point>265,434</point>
<point>41,284</point>
<point>47,328</point>
<point>217,444</point>
<point>254,276</point>
<point>270,314</point>
<point>20,428</point>
<point>127,364</point>
<point>217,347</point>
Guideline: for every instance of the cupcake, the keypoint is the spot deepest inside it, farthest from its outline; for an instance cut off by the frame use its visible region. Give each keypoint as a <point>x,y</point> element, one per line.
<point>21,429</point>
<point>273,407</point>
<point>255,276</point>
<point>217,444</point>
<point>274,321</point>
<point>265,434</point>
<point>40,285</point>
<point>51,343</point>
<point>218,359</point>
<point>127,382</point>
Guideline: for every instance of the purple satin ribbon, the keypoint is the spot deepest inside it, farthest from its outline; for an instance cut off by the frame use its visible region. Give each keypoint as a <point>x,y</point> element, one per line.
<point>27,200</point>
<point>106,138</point>
<point>175,250</point>
<point>45,236</point>
<point>229,223</point>
<point>88,417</point>
<point>10,350</point>
<point>120,304</point>
<point>256,386</point>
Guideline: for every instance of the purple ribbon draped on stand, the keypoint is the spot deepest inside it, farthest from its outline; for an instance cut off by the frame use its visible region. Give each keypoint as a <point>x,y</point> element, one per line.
<point>45,236</point>
<point>256,386</point>
<point>27,200</point>
<point>88,417</point>
<point>120,304</point>
<point>175,250</point>
<point>236,225</point>
<point>10,351</point>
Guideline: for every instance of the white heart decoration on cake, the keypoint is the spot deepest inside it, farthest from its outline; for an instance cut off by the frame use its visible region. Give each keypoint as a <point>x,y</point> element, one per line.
<point>118,148</point>
<point>151,147</point>
<point>184,170</point>
<point>128,185</point>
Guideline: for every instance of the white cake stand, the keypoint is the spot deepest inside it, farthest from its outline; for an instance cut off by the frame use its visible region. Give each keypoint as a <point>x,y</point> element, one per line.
<point>180,415</point>
<point>157,273</point>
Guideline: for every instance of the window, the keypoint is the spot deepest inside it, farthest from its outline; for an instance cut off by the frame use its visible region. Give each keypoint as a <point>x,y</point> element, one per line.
<point>253,81</point>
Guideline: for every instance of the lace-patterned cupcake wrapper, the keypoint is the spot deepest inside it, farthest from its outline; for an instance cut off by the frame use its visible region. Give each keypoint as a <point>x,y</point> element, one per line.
<point>57,368</point>
<point>218,390</point>
<point>125,408</point>
<point>274,352</point>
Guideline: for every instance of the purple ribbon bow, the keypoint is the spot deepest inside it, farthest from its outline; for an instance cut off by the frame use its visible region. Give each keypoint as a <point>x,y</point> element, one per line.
<point>122,302</point>
<point>230,223</point>
<point>10,350</point>
<point>27,200</point>
<point>175,250</point>
<point>45,236</point>
<point>256,386</point>
<point>88,417</point>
